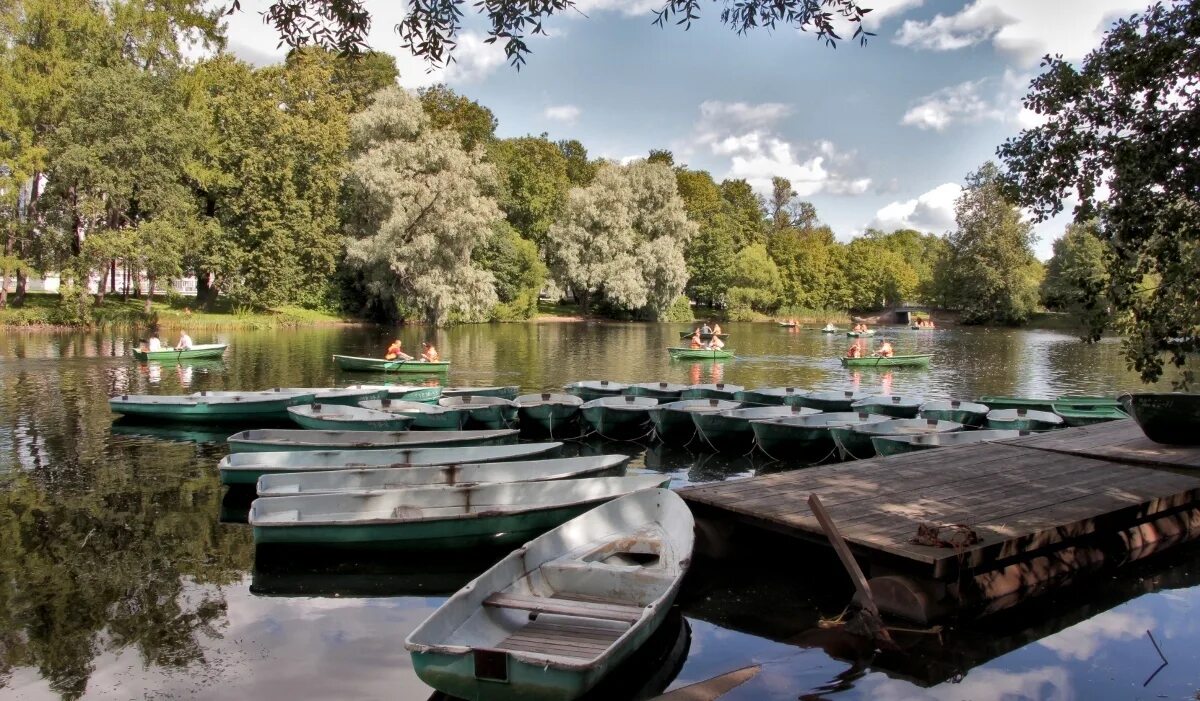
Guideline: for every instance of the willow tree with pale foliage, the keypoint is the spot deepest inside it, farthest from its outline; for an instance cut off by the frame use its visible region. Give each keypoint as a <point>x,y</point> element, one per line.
<point>421,206</point>
<point>621,239</point>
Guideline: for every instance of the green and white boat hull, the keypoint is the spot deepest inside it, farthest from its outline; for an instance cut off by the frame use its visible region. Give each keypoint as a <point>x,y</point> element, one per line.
<point>587,390</point>
<point>673,421</point>
<point>896,406</point>
<point>855,441</point>
<point>202,408</point>
<point>896,445</point>
<point>283,440</point>
<point>320,417</point>
<point>619,417</point>
<point>507,392</point>
<point>1087,414</point>
<point>548,411</point>
<point>965,413</point>
<point>662,391</point>
<point>808,435</point>
<point>199,352</point>
<point>771,396</point>
<point>1024,420</point>
<point>413,367</point>
<point>719,390</point>
<point>733,428</point>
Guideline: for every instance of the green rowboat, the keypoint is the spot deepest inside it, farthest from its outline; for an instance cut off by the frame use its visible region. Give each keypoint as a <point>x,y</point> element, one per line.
<point>619,417</point>
<point>346,396</point>
<point>773,396</point>
<point>1166,417</point>
<point>995,402</point>
<point>587,390</point>
<point>732,428</point>
<point>549,411</point>
<point>718,390</point>
<point>1024,419</point>
<point>507,392</point>
<point>684,335</point>
<point>965,413</point>
<point>277,439</point>
<point>482,412</point>
<point>804,436</point>
<point>831,401</point>
<point>856,334</point>
<point>337,417</point>
<point>855,441</point>
<point>895,445</point>
<point>198,352</point>
<point>667,391</point>
<point>423,416</point>
<point>246,468</point>
<point>204,407</point>
<point>892,405</point>
<point>1087,414</point>
<point>436,518</point>
<point>680,353</point>
<point>673,421</point>
<point>417,367</point>
<point>896,361</point>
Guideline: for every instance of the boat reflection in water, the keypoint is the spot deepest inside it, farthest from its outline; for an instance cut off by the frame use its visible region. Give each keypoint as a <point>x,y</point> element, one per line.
<point>298,571</point>
<point>646,673</point>
<point>179,432</point>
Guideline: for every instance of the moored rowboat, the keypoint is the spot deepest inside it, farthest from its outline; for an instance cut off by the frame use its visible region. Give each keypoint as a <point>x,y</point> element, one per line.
<point>996,402</point>
<point>196,352</point>
<point>1087,414</point>
<point>668,391</point>
<point>423,416</point>
<point>895,361</point>
<point>834,401</point>
<point>1166,417</point>
<point>346,396</point>
<point>673,421</point>
<point>533,627</point>
<point>486,412</point>
<point>855,441</point>
<point>246,468</point>
<point>435,518</point>
<point>732,427</point>
<point>1023,419</point>
<point>277,439</point>
<point>355,363</point>
<point>770,395</point>
<point>681,353</point>
<point>587,390</point>
<point>619,417</point>
<point>549,411</point>
<point>784,437</point>
<point>718,390</point>
<point>371,479</point>
<point>894,445</point>
<point>203,407</point>
<point>336,417</point>
<point>965,413</point>
<point>889,405</point>
<point>506,392</point>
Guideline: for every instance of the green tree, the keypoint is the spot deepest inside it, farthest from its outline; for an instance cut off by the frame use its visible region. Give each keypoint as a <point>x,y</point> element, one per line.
<point>920,253</point>
<point>533,183</point>
<point>989,268</point>
<point>621,239</point>
<point>580,170</point>
<point>745,208</point>
<point>1077,274</point>
<point>875,274</point>
<point>447,109</point>
<point>357,76</point>
<point>424,210</point>
<point>710,252</point>
<point>518,269</point>
<point>806,264</point>
<point>755,283</point>
<point>1120,135</point>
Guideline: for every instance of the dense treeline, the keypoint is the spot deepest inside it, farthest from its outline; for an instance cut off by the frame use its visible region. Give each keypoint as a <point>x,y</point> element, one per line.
<point>320,183</point>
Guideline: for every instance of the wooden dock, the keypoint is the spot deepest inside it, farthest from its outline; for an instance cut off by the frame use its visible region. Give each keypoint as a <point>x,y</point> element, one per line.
<point>1042,508</point>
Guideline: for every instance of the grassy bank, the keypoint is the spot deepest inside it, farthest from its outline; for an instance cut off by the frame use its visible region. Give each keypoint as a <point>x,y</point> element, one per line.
<point>44,310</point>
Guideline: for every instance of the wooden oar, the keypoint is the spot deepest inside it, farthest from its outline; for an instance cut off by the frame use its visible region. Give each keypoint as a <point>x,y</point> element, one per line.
<point>711,689</point>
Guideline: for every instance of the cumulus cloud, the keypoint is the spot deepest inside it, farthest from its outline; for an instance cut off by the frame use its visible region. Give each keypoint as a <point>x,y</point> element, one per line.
<point>1082,640</point>
<point>747,135</point>
<point>474,60</point>
<point>1024,29</point>
<point>568,114</point>
<point>980,685</point>
<point>625,7</point>
<point>883,9</point>
<point>932,211</point>
<point>994,98</point>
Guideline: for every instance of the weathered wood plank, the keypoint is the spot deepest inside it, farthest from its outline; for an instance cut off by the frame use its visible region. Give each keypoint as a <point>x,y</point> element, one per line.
<point>1120,441</point>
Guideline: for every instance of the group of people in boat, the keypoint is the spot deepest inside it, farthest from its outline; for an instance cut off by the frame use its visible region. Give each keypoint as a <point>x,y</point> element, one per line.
<point>885,351</point>
<point>714,342</point>
<point>705,330</point>
<point>155,344</point>
<point>923,324</point>
<point>395,351</point>
<point>860,328</point>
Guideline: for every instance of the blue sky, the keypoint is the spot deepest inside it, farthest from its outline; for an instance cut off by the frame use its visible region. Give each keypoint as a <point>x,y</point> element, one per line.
<point>881,135</point>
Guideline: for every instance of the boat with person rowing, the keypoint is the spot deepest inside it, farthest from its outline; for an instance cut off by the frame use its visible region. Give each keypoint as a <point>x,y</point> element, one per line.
<point>1165,417</point>
<point>893,405</point>
<point>770,396</point>
<point>202,351</point>
<point>804,436</point>
<point>354,363</point>
<point>361,480</point>
<point>435,518</point>
<point>673,420</point>
<point>895,445</point>
<point>1024,419</point>
<point>276,439</point>
<point>337,417</point>
<point>485,412</point>
<point>668,391</point>
<point>857,334</point>
<point>965,413</point>
<point>505,392</point>
<point>549,411</point>
<point>246,468</point>
<point>626,416</point>
<point>855,441</point>
<point>733,428</point>
<point>429,417</point>
<point>587,390</point>
<point>203,407</point>
<point>685,353</point>
<point>892,361</point>
<point>684,335</point>
<point>551,619</point>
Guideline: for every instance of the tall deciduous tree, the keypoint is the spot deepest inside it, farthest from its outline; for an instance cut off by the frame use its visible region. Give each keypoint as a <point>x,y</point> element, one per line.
<point>1121,135</point>
<point>424,212</point>
<point>1077,274</point>
<point>447,109</point>
<point>621,239</point>
<point>989,267</point>
<point>533,183</point>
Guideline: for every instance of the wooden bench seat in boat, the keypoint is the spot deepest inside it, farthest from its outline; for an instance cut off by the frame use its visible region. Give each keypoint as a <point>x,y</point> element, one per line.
<point>580,640</point>
<point>565,607</point>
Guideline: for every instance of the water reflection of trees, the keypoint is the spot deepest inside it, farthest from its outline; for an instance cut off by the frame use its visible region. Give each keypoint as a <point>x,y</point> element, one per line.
<point>101,536</point>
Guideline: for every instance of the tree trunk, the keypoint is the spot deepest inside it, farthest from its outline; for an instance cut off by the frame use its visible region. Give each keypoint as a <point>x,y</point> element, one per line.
<point>112,276</point>
<point>585,302</point>
<point>206,292</point>
<point>125,282</point>
<point>76,224</point>
<point>8,247</point>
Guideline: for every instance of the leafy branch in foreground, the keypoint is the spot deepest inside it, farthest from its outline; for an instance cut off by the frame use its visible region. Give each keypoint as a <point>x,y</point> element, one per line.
<point>430,27</point>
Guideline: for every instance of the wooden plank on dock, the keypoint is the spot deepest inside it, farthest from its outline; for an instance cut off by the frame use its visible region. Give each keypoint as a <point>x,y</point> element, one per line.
<point>1122,441</point>
<point>1016,498</point>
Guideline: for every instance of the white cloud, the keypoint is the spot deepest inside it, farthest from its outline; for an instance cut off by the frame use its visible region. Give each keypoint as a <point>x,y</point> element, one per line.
<point>1082,640</point>
<point>882,9</point>
<point>1049,683</point>
<point>474,60</point>
<point>1023,29</point>
<point>995,98</point>
<point>568,114</point>
<point>746,134</point>
<point>625,7</point>
<point>932,211</point>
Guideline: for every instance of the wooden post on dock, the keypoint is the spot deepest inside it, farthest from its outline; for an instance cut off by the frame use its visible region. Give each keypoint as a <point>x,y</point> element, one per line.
<point>875,620</point>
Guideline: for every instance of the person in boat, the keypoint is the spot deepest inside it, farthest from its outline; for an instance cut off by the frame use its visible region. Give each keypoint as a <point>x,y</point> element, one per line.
<point>155,343</point>
<point>885,350</point>
<point>704,330</point>
<point>696,344</point>
<point>716,329</point>
<point>396,351</point>
<point>429,354</point>
<point>854,351</point>
<point>185,342</point>
<point>715,343</point>
<point>830,327</point>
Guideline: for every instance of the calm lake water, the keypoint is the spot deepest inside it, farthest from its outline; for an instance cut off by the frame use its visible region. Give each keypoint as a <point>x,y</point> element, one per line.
<point>124,574</point>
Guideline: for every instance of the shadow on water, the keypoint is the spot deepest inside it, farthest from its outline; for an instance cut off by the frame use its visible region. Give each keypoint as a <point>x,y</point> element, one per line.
<point>298,571</point>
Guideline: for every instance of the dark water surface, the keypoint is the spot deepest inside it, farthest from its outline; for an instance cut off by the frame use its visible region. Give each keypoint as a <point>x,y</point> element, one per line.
<point>121,576</point>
